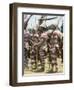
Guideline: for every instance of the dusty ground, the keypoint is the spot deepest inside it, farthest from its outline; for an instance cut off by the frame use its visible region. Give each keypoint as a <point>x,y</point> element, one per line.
<point>47,68</point>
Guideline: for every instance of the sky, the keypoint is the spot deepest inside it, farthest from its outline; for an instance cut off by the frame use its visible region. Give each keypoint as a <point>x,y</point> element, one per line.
<point>33,22</point>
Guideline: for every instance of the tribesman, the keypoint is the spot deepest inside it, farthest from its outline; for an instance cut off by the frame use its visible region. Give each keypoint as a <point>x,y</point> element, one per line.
<point>34,52</point>
<point>26,48</point>
<point>53,47</point>
<point>42,48</point>
<point>26,40</point>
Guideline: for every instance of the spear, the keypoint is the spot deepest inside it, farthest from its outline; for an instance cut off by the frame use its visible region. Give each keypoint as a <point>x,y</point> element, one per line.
<point>47,18</point>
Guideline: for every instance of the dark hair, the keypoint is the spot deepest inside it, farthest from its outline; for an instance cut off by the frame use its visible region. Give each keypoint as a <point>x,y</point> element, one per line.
<point>52,26</point>
<point>42,29</point>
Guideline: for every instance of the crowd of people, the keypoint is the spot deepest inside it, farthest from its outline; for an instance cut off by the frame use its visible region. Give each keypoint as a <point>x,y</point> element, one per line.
<point>41,47</point>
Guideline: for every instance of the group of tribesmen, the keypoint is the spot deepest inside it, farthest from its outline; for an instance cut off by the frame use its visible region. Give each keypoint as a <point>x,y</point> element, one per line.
<point>43,47</point>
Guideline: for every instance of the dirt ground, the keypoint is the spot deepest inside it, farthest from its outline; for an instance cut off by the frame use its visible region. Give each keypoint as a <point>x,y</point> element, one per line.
<point>47,67</point>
